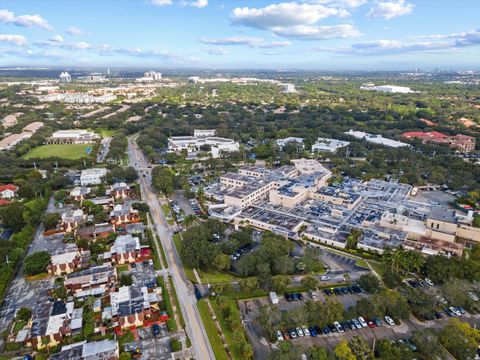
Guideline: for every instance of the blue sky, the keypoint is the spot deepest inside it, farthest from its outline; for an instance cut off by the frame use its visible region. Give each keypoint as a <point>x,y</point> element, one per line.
<point>301,34</point>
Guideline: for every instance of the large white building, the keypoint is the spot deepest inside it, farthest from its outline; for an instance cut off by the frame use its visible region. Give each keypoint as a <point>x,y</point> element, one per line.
<point>76,136</point>
<point>376,139</point>
<point>386,88</point>
<point>92,176</point>
<point>282,142</point>
<point>289,88</point>
<point>330,145</point>
<point>202,138</point>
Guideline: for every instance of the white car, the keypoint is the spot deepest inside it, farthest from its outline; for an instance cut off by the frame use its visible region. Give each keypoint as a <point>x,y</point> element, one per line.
<point>428,281</point>
<point>338,327</point>
<point>357,323</point>
<point>305,330</point>
<point>279,335</point>
<point>299,331</point>
<point>362,321</point>
<point>389,320</point>
<point>455,311</point>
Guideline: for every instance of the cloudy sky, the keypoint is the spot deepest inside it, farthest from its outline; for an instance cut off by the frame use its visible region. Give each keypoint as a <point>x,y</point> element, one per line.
<point>301,34</point>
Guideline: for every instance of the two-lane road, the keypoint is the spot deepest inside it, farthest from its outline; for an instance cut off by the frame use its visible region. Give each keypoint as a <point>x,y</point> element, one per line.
<point>194,325</point>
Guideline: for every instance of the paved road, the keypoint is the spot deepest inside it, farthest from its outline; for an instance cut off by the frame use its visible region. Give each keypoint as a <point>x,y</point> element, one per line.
<point>194,326</point>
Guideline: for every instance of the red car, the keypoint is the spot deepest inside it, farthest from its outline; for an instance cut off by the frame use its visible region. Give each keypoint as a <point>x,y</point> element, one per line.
<point>286,335</point>
<point>371,324</point>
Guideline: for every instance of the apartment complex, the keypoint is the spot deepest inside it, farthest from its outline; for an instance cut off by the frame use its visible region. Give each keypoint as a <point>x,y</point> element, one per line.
<point>459,142</point>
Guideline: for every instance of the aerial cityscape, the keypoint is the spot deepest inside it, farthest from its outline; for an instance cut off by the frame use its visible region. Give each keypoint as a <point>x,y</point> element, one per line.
<point>241,179</point>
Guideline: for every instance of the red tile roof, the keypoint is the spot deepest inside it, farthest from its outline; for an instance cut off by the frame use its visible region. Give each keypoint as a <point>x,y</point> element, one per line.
<point>8,187</point>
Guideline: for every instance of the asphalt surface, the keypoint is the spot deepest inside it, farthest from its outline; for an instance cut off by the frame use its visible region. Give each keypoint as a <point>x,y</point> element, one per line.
<point>30,294</point>
<point>185,292</point>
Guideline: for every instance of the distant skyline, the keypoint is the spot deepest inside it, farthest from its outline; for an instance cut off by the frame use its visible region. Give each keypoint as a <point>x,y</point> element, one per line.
<point>302,34</point>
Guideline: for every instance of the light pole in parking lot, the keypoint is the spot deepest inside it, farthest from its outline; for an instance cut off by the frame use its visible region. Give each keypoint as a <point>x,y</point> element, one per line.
<point>373,346</point>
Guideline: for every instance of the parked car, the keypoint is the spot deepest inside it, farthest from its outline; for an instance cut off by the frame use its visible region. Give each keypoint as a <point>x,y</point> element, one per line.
<point>286,334</point>
<point>357,323</point>
<point>305,330</point>
<point>279,336</point>
<point>156,329</point>
<point>449,312</point>
<point>313,332</point>
<point>299,331</point>
<point>428,281</point>
<point>455,311</point>
<point>313,294</point>
<point>338,327</point>
<point>389,321</point>
<point>300,296</point>
<point>293,334</point>
<point>371,324</point>
<point>362,321</point>
<point>326,330</point>
<point>288,297</point>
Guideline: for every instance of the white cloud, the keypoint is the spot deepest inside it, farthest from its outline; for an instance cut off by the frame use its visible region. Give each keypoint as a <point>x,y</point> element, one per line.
<point>13,39</point>
<point>56,39</point>
<point>29,21</point>
<point>199,3</point>
<point>304,32</point>
<point>248,41</point>
<point>281,15</point>
<point>298,20</point>
<point>161,2</point>
<point>75,31</point>
<point>390,9</point>
<point>216,51</point>
<point>391,47</point>
<point>350,4</point>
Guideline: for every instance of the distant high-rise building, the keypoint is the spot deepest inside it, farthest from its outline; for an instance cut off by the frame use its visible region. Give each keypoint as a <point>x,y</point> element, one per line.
<point>150,76</point>
<point>108,71</point>
<point>65,77</point>
<point>289,88</point>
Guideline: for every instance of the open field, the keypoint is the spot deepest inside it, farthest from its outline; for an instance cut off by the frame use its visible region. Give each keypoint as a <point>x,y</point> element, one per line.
<point>72,152</point>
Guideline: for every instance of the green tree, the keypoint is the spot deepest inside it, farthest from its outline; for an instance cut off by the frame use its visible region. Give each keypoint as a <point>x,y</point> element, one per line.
<point>343,352</point>
<point>246,350</point>
<point>126,280</point>
<point>360,348</point>
<point>51,220</point>
<point>369,283</point>
<point>310,282</point>
<point>162,180</point>
<point>460,339</point>
<point>24,314</point>
<point>280,283</point>
<point>249,284</point>
<point>37,262</point>
<point>12,217</point>
<point>318,353</point>
<point>222,262</point>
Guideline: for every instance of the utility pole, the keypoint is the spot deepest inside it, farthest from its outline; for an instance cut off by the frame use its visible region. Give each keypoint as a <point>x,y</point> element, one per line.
<point>35,165</point>
<point>373,347</point>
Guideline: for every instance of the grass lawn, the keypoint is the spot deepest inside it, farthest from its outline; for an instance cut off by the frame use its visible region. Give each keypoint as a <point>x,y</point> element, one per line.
<point>122,268</point>
<point>19,326</point>
<point>234,346</point>
<point>40,276</point>
<point>216,277</point>
<point>71,152</point>
<point>362,263</point>
<point>215,341</point>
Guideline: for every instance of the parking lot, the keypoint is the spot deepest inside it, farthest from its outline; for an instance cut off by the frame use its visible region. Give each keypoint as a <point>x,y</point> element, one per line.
<point>151,346</point>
